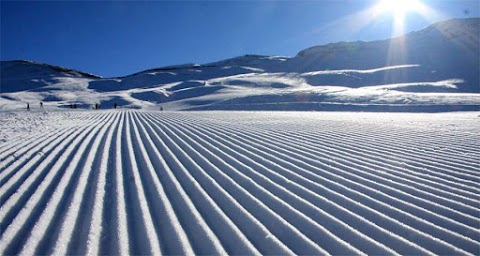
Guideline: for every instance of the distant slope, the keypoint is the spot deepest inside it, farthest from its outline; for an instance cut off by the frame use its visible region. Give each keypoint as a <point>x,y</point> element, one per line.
<point>22,75</point>
<point>427,67</point>
<point>444,50</point>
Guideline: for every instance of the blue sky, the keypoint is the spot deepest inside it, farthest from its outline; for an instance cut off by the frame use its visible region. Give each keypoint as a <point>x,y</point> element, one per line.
<point>120,38</point>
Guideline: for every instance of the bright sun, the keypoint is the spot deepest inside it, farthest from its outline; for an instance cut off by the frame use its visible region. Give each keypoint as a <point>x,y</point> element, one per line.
<point>398,8</point>
<point>396,11</point>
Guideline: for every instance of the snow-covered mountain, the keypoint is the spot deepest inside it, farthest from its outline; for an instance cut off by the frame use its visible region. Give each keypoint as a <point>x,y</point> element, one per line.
<point>436,68</point>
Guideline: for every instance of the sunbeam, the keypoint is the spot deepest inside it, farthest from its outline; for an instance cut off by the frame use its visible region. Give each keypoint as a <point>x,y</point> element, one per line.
<point>399,11</point>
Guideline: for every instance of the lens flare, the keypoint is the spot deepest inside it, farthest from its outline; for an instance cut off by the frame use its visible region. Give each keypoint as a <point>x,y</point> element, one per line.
<point>399,8</point>
<point>398,11</point>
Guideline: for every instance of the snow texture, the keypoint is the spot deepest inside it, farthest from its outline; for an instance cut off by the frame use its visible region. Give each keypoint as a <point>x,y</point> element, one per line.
<point>124,182</point>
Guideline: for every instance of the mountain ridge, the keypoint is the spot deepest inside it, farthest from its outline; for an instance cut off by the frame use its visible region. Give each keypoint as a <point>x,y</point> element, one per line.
<point>472,22</point>
<point>441,58</point>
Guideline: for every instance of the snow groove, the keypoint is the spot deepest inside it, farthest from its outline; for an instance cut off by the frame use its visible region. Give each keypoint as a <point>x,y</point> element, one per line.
<point>238,149</point>
<point>142,182</point>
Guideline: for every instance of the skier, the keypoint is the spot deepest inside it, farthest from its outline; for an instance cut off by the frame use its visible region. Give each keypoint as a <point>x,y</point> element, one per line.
<point>41,104</point>
<point>161,108</point>
<point>115,105</point>
<point>28,106</point>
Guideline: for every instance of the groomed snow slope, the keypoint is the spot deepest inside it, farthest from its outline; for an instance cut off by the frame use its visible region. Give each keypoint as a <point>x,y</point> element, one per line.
<point>139,182</point>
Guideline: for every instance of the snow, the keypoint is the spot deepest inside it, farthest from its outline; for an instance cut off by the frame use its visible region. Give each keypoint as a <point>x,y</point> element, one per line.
<point>223,182</point>
<point>137,180</point>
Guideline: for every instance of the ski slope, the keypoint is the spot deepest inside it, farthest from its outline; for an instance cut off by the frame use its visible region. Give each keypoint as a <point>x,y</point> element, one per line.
<point>250,183</point>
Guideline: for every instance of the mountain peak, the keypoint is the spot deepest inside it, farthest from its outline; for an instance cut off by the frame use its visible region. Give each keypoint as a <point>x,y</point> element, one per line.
<point>449,29</point>
<point>29,64</point>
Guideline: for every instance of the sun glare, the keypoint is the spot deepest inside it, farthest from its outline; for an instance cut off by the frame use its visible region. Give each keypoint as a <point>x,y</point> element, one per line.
<point>398,8</point>
<point>400,13</point>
